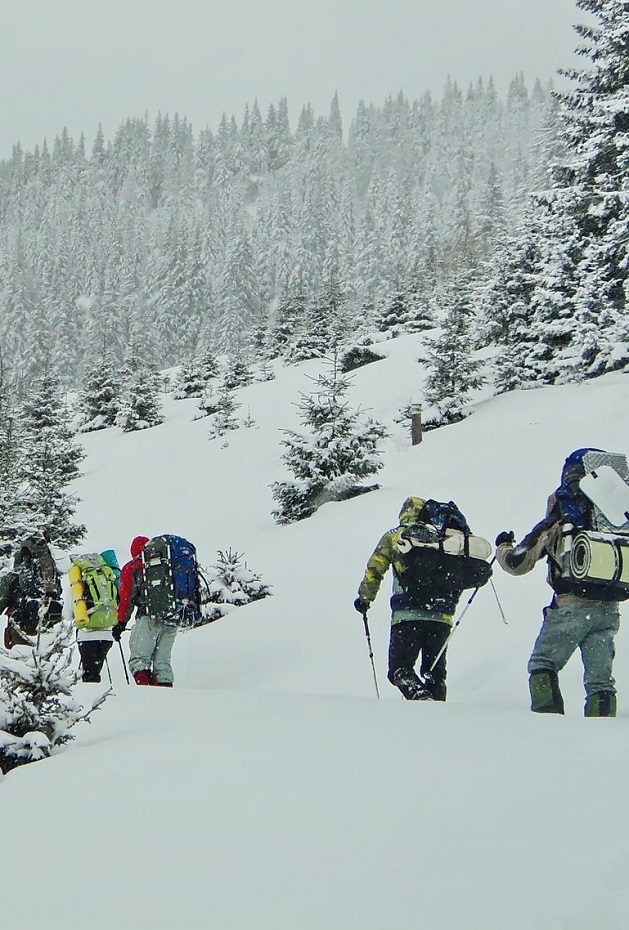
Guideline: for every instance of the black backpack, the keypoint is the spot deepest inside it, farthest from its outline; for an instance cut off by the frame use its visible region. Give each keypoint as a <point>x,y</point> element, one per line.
<point>441,558</point>
<point>37,594</point>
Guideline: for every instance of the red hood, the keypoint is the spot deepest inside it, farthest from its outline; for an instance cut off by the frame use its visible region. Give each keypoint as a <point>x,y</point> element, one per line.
<point>138,545</point>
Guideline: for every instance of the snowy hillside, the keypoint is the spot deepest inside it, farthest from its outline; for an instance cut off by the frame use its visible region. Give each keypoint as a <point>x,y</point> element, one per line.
<point>270,788</point>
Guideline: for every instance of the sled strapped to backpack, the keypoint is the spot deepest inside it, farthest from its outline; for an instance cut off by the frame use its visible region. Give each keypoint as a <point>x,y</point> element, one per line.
<point>441,558</point>
<point>593,504</point>
<point>171,581</point>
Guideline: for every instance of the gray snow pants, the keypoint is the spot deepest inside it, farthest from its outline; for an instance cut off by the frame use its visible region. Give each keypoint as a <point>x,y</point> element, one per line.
<point>592,629</point>
<point>150,647</point>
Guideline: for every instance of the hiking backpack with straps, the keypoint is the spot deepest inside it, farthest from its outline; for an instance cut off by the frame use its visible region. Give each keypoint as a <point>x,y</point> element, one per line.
<point>94,586</point>
<point>441,557</point>
<point>592,503</point>
<point>37,597</point>
<point>171,581</point>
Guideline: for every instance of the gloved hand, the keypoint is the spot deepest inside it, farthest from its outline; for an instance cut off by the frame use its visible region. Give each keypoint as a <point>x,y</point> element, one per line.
<point>118,629</point>
<point>361,606</point>
<point>505,537</point>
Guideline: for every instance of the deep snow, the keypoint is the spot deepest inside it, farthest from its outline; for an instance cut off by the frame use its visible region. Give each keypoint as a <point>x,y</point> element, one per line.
<point>270,788</point>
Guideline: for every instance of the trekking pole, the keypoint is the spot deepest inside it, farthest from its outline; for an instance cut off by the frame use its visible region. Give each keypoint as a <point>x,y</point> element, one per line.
<point>124,664</point>
<point>502,613</point>
<point>454,628</point>
<point>373,664</point>
<point>108,670</point>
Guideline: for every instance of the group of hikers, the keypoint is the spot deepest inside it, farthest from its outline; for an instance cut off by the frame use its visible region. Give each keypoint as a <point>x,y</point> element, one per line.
<point>103,599</point>
<point>434,557</point>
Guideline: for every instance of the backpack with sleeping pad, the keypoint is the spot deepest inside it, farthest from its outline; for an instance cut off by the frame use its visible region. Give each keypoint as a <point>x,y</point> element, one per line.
<point>94,586</point>
<point>592,505</point>
<point>171,581</point>
<point>441,558</point>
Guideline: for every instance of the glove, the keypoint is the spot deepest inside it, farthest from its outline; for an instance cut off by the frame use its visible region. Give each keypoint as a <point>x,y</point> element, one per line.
<point>118,629</point>
<point>505,537</point>
<point>361,606</point>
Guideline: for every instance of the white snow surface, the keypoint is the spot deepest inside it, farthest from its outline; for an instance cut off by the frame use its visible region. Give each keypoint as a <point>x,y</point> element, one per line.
<point>271,789</point>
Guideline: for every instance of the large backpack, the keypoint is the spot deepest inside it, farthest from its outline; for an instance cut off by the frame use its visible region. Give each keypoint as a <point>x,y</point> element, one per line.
<point>171,581</point>
<point>94,586</point>
<point>441,557</point>
<point>37,597</point>
<point>592,503</point>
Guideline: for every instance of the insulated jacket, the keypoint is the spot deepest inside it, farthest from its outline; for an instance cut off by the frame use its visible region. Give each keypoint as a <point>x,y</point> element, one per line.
<point>544,541</point>
<point>131,582</point>
<point>387,555</point>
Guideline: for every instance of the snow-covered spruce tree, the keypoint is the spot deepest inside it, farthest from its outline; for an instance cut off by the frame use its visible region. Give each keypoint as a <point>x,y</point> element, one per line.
<point>140,404</point>
<point>223,419</point>
<point>236,373</point>
<point>37,708</point>
<point>229,583</point>
<point>11,473</point>
<point>453,373</point>
<point>195,375</point>
<point>99,400</point>
<point>338,450</point>
<point>50,461</point>
<point>580,298</point>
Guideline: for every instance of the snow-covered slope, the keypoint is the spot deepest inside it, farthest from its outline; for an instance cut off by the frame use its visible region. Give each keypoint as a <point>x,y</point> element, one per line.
<point>270,788</point>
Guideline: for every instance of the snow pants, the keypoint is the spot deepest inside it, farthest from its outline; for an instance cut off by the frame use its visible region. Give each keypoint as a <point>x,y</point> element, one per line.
<point>408,639</point>
<point>150,647</point>
<point>590,628</point>
<point>93,653</point>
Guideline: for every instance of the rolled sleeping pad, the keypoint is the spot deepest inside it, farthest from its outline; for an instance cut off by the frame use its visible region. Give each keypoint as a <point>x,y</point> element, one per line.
<point>599,557</point>
<point>77,590</point>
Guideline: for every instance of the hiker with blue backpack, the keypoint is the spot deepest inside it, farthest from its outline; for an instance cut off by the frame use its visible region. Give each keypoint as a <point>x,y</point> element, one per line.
<point>434,557</point>
<point>160,582</point>
<point>585,540</point>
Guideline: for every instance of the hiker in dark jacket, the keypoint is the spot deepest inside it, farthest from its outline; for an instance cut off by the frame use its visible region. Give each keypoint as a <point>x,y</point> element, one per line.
<point>30,594</point>
<point>571,620</point>
<point>414,629</point>
<point>151,641</point>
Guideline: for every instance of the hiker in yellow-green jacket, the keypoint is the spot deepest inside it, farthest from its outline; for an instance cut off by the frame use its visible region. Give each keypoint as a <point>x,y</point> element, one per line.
<point>421,620</point>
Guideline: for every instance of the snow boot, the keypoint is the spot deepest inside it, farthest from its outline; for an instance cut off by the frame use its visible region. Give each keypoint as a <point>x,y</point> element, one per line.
<point>600,704</point>
<point>545,693</point>
<point>411,685</point>
<point>143,677</point>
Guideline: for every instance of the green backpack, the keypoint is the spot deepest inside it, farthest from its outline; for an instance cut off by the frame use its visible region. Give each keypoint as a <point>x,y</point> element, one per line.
<point>101,590</point>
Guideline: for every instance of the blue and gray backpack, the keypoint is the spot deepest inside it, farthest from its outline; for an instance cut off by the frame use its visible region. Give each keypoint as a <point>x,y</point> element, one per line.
<point>171,581</point>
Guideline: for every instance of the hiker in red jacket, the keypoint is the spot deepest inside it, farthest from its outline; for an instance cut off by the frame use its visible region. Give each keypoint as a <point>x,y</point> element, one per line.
<point>151,641</point>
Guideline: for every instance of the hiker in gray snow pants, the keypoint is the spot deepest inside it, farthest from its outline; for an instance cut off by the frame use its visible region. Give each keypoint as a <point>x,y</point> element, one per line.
<point>592,629</point>
<point>150,646</point>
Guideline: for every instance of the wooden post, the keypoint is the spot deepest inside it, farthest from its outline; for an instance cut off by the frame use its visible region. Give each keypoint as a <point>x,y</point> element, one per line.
<point>416,424</point>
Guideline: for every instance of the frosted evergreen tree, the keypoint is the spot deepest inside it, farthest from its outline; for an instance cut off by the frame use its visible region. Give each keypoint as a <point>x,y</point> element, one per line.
<point>338,450</point>
<point>223,417</point>
<point>453,373</point>
<point>195,375</point>
<point>50,461</point>
<point>140,404</point>
<point>229,583</point>
<point>37,706</point>
<point>12,517</point>
<point>236,373</point>
<point>579,303</point>
<point>100,399</point>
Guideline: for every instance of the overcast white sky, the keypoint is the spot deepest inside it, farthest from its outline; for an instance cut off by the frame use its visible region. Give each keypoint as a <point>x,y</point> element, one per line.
<point>76,63</point>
